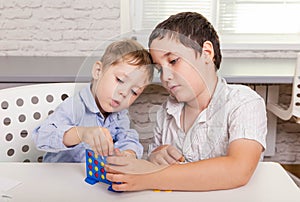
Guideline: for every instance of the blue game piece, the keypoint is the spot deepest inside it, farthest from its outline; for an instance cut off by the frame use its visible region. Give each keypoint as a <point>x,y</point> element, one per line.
<point>95,171</point>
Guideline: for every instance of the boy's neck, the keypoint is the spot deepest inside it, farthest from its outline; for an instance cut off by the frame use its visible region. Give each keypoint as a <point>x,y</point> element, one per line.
<point>202,100</point>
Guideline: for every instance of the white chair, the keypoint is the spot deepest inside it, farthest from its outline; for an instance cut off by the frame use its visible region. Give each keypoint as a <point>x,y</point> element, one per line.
<point>294,107</point>
<point>22,109</point>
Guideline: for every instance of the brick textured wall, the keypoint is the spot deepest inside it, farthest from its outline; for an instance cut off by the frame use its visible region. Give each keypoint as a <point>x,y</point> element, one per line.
<point>57,27</point>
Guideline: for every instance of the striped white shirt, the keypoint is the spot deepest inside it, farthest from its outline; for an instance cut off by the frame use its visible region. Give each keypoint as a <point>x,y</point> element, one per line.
<point>234,112</point>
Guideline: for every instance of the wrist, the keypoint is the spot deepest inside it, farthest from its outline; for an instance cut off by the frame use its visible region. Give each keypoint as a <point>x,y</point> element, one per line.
<point>78,132</point>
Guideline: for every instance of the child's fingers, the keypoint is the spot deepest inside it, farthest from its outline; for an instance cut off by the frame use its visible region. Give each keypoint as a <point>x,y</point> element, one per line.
<point>120,187</point>
<point>110,143</point>
<point>118,152</point>
<point>107,134</point>
<point>174,153</point>
<point>104,146</point>
<point>169,159</point>
<point>111,170</point>
<point>110,148</point>
<point>161,160</point>
<point>98,146</point>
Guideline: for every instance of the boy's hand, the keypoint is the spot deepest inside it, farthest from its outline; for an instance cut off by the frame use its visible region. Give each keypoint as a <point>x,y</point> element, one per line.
<point>99,139</point>
<point>122,164</point>
<point>125,153</point>
<point>166,154</point>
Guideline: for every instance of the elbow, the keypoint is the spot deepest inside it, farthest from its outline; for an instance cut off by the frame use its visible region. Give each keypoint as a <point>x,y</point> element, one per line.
<point>242,179</point>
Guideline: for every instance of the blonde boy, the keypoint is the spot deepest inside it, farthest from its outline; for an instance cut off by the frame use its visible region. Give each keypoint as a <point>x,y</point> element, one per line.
<point>97,117</point>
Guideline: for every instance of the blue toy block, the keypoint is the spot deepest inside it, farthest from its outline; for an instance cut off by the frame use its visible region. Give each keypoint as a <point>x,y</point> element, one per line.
<point>95,171</point>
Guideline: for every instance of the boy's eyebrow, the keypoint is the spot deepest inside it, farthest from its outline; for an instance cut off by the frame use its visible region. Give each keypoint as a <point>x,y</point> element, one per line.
<point>164,55</point>
<point>167,54</point>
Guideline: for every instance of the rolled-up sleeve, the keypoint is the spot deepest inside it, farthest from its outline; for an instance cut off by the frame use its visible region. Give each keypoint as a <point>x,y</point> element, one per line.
<point>249,121</point>
<point>49,135</point>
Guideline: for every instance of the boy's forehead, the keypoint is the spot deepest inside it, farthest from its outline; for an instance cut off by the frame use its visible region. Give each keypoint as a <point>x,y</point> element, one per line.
<point>168,46</point>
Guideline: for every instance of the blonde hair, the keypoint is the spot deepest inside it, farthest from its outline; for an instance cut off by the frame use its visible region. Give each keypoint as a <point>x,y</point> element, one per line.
<point>128,51</point>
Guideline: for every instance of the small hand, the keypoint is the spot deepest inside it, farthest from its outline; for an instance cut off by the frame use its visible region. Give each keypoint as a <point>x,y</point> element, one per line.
<point>166,155</point>
<point>99,139</point>
<point>126,153</point>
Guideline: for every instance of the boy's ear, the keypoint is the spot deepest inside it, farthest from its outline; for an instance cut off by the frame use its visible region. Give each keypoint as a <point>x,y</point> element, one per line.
<point>208,50</point>
<point>97,70</point>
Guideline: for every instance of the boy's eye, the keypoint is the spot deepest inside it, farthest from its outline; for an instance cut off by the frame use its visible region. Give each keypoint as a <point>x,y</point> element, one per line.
<point>173,62</point>
<point>133,92</point>
<point>119,80</point>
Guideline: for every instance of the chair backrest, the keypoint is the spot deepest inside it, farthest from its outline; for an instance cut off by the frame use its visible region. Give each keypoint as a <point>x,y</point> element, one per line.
<point>296,89</point>
<point>24,108</point>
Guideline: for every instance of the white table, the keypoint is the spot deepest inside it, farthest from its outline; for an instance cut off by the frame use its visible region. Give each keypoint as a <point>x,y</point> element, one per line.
<point>65,182</point>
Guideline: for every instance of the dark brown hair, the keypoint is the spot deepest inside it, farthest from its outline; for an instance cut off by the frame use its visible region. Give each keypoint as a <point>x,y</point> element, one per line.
<point>192,30</point>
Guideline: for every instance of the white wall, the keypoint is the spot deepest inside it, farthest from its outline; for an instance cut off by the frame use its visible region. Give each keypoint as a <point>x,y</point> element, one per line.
<point>56,27</point>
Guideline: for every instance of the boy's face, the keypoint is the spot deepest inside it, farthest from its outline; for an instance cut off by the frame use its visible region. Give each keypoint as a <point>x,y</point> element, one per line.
<point>118,86</point>
<point>182,72</point>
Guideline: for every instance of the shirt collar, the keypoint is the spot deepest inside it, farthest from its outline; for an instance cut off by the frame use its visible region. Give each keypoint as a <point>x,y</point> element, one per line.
<point>174,108</point>
<point>88,99</point>
<point>218,99</point>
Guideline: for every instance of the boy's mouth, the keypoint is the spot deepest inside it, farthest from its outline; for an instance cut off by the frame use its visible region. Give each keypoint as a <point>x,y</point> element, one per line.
<point>115,103</point>
<point>173,87</point>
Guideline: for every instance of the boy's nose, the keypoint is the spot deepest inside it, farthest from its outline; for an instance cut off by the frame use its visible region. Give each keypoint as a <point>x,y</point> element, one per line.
<point>123,91</point>
<point>166,74</point>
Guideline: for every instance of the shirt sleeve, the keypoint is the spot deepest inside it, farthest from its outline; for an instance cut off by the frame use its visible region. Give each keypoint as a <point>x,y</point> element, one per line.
<point>49,135</point>
<point>124,137</point>
<point>249,121</point>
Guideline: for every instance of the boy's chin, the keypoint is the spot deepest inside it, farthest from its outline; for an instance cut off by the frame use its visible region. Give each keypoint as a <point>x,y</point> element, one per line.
<point>111,109</point>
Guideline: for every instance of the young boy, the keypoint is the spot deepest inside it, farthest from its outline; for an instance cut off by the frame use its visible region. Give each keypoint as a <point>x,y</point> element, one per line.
<point>219,129</point>
<point>97,117</point>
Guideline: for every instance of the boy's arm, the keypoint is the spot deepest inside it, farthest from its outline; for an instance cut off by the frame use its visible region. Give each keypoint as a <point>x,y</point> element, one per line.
<point>226,172</point>
<point>247,134</point>
<point>48,136</point>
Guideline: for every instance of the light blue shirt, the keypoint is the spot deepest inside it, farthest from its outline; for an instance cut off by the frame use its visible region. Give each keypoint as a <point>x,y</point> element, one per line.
<point>81,110</point>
